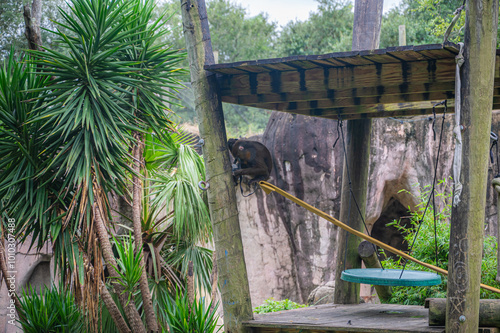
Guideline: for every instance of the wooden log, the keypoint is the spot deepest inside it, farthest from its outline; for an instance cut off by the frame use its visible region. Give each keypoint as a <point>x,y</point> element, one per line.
<point>233,278</point>
<point>366,35</point>
<point>467,219</point>
<point>367,253</point>
<point>489,312</point>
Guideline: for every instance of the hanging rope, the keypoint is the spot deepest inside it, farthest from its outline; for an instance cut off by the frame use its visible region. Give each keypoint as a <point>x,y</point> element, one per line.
<point>494,143</point>
<point>431,196</point>
<point>268,188</point>
<point>457,160</point>
<point>453,22</point>
<point>496,185</point>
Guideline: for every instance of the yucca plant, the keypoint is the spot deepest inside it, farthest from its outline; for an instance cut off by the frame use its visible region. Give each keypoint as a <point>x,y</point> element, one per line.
<point>128,266</point>
<point>186,317</point>
<point>106,90</point>
<point>50,310</point>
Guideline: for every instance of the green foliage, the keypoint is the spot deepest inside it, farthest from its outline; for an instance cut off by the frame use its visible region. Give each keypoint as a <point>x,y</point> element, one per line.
<point>424,249</point>
<point>270,305</point>
<point>129,265</point>
<point>186,317</point>
<point>328,30</point>
<point>53,310</point>
<point>239,37</point>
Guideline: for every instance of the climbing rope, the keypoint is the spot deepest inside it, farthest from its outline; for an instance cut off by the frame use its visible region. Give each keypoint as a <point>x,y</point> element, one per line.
<point>268,188</point>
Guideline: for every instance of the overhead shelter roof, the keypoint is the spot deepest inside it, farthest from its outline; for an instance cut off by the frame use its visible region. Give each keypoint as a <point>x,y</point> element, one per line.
<point>397,81</point>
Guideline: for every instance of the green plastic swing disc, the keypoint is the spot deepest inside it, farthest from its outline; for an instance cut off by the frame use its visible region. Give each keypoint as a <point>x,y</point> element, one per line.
<point>390,277</point>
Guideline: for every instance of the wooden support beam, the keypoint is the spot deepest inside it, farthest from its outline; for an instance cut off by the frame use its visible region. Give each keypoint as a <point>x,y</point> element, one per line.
<point>489,312</point>
<point>385,91</point>
<point>366,35</point>
<point>359,103</point>
<point>467,220</point>
<point>221,192</point>
<point>321,79</point>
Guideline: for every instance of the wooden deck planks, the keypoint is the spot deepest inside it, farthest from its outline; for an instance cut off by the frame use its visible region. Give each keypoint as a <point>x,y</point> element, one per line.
<point>374,318</point>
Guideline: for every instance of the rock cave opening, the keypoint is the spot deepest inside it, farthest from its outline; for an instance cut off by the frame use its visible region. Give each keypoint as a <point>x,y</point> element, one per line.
<point>389,234</point>
<point>40,277</point>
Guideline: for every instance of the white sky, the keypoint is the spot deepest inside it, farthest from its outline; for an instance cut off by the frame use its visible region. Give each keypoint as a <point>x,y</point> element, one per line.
<point>284,11</point>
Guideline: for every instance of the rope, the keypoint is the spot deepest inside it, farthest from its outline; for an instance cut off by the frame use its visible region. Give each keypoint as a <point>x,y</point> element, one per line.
<point>268,188</point>
<point>494,138</point>
<point>431,196</point>
<point>496,185</point>
<point>457,13</point>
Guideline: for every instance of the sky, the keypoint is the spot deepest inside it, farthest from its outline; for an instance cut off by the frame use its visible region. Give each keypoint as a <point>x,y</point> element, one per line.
<point>284,11</point>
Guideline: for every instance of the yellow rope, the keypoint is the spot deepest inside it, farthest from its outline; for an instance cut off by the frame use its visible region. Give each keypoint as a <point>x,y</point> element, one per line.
<point>268,188</point>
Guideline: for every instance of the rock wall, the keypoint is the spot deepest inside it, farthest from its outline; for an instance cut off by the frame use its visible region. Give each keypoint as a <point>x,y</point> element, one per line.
<point>289,251</point>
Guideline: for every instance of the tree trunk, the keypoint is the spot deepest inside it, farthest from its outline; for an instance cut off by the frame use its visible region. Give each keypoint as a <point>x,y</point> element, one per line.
<point>137,191</point>
<point>467,219</point>
<point>32,20</point>
<point>221,192</point>
<point>113,310</point>
<point>366,36</point>
<point>107,253</point>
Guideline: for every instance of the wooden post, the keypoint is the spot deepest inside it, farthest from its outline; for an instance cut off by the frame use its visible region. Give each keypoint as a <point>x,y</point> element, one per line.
<point>366,36</point>
<point>467,219</point>
<point>402,35</point>
<point>368,254</point>
<point>221,192</point>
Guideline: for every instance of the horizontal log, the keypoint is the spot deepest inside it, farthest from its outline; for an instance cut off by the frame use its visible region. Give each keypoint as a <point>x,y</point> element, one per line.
<point>489,312</point>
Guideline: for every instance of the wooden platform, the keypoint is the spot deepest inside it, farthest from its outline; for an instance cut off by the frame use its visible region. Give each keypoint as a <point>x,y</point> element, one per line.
<point>397,81</point>
<point>346,318</point>
<point>368,318</point>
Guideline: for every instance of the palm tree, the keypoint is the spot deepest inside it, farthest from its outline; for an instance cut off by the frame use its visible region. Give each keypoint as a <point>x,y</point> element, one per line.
<point>102,94</point>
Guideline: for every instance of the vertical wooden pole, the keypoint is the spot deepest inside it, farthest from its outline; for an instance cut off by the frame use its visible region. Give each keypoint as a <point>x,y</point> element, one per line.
<point>233,278</point>
<point>402,35</point>
<point>466,239</point>
<point>366,36</point>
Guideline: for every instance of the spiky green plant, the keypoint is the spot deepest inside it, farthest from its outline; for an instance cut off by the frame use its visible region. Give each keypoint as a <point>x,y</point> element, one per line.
<point>50,310</point>
<point>186,317</point>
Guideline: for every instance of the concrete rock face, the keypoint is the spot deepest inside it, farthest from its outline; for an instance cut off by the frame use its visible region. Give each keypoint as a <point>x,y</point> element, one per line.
<point>290,251</point>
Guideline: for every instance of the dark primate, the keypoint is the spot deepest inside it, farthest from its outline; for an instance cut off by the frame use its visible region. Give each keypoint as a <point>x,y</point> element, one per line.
<point>252,158</point>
